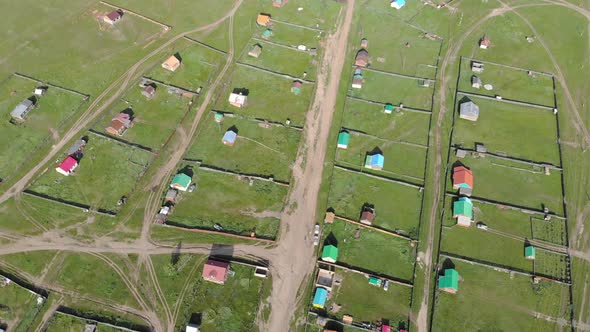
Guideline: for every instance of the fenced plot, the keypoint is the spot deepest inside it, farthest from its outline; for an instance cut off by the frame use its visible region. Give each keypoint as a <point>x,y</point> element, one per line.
<point>282,60</point>
<point>549,230</point>
<point>66,323</point>
<point>551,264</point>
<point>108,171</point>
<point>313,14</point>
<point>18,306</point>
<point>290,35</point>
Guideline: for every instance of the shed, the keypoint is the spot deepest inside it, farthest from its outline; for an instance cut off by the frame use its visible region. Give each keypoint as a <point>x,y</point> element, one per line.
<point>171,195</point>
<point>388,108</point>
<point>329,218</point>
<point>460,153</point>
<point>296,87</point>
<point>279,3</point>
<point>343,139</point>
<point>330,254</point>
<point>263,19</point>
<point>215,271</point>
<point>218,117</point>
<point>149,91</point>
<point>477,67</point>
<point>113,17</point>
<point>255,51</point>
<point>266,34</point>
<point>362,58</point>
<point>469,111</point>
<point>320,297</point>
<point>325,279</point>
<point>374,281</point>
<point>76,147</point>
<point>364,43</point>
<point>357,81</point>
<point>192,328</point>
<point>463,211</point>
<point>529,252</point>
<point>40,91</point>
<point>237,99</point>
<point>462,177</point>
<point>476,82</point>
<point>67,166</point>
<point>398,4</point>
<point>119,124</point>
<point>484,43</point>
<point>229,138</point>
<point>347,319</point>
<point>171,64</point>
<point>374,161</point>
<point>367,215</point>
<point>22,109</point>
<point>181,182</point>
<point>449,282</point>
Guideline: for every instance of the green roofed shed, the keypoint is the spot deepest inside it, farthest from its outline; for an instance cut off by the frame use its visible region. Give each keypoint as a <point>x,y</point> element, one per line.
<point>388,108</point>
<point>267,33</point>
<point>181,182</point>
<point>343,139</point>
<point>218,117</point>
<point>374,281</point>
<point>330,254</point>
<point>463,207</point>
<point>449,282</point>
<point>529,252</point>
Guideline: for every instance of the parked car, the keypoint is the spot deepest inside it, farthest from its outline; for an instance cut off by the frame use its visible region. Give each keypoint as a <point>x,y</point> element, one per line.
<point>316,240</point>
<point>316,230</point>
<point>217,227</point>
<point>192,188</point>
<point>481,225</point>
<point>386,285</point>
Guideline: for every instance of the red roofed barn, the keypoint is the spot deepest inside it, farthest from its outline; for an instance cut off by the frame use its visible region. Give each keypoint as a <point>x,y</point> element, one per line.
<point>215,271</point>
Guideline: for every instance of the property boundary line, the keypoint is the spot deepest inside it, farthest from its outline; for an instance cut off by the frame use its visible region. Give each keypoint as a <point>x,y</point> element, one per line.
<point>366,272</point>
<point>376,228</point>
<point>216,169</point>
<point>204,45</point>
<point>379,177</point>
<point>180,226</point>
<point>514,159</point>
<point>259,120</point>
<point>362,133</point>
<point>296,25</point>
<point>63,310</point>
<point>506,100</point>
<point>507,66</point>
<point>184,90</point>
<point>283,75</point>
<point>293,48</point>
<point>30,78</point>
<point>432,80</point>
<point>405,108</point>
<point>166,27</point>
<point>121,141</point>
<point>77,205</point>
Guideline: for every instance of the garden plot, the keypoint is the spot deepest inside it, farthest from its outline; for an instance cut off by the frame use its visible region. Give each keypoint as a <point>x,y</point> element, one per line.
<point>511,306</point>
<point>401,126</point>
<point>18,306</point>
<point>282,60</point>
<point>237,205</point>
<point>65,323</point>
<point>397,207</point>
<point>550,264</point>
<point>269,96</point>
<point>512,130</point>
<point>257,150</point>
<point>43,124</point>
<point>289,35</point>
<point>371,250</point>
<point>107,171</point>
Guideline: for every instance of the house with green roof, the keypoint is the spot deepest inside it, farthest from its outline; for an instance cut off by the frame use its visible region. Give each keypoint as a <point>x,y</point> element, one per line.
<point>181,182</point>
<point>463,211</point>
<point>529,252</point>
<point>449,282</point>
<point>330,254</point>
<point>343,139</point>
<point>388,108</point>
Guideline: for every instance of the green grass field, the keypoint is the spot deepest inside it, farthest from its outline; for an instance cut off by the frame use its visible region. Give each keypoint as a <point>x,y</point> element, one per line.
<point>321,13</point>
<point>33,263</point>
<point>258,150</point>
<point>62,323</point>
<point>232,203</point>
<point>290,36</point>
<point>18,306</point>
<point>283,60</point>
<point>397,207</point>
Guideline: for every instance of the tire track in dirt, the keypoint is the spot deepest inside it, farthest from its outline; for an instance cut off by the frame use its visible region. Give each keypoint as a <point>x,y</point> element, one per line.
<point>159,293</point>
<point>185,287</point>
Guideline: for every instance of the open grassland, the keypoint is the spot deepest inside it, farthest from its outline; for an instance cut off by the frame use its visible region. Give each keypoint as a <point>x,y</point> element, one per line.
<point>283,60</point>
<point>107,171</point>
<point>399,126</point>
<point>397,207</point>
<point>371,250</point>
<point>18,306</point>
<point>501,127</point>
<point>269,96</point>
<point>395,90</point>
<point>43,124</point>
<point>489,298</point>
<point>33,263</point>
<point>370,303</point>
<point>258,150</point>
<point>231,203</point>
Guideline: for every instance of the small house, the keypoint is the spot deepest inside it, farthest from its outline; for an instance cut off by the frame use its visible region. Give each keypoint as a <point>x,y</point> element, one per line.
<point>398,4</point>
<point>529,252</point>
<point>119,124</point>
<point>364,43</point>
<point>325,279</point>
<point>76,147</point>
<point>469,111</point>
<point>477,67</point>
<point>296,87</point>
<point>476,82</point>
<point>266,34</point>
<point>215,271</point>
<point>347,319</point>
<point>263,19</point>
<point>171,195</point>
<point>362,58</point>
<point>113,17</point>
<point>149,91</point>
<point>237,99</point>
<point>330,254</point>
<point>462,177</point>
<point>388,108</point>
<point>255,51</point>
<point>279,3</point>
<point>164,210</point>
<point>357,81</point>
<point>463,211</point>
<point>229,138</point>
<point>329,218</point>
<point>218,117</point>
<point>367,215</point>
<point>460,153</point>
<point>449,282</point>
<point>343,139</point>
<point>67,166</point>
<point>171,64</point>
<point>192,328</point>
<point>484,43</point>
<point>374,161</point>
<point>181,182</point>
<point>22,109</point>
<point>320,297</point>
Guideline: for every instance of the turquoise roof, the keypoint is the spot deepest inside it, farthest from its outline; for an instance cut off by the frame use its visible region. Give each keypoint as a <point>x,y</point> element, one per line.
<point>181,180</point>
<point>463,206</point>
<point>529,251</point>
<point>319,299</point>
<point>449,280</point>
<point>343,138</point>
<point>375,160</point>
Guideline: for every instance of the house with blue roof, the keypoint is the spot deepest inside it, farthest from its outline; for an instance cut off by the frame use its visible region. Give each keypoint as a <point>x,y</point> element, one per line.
<point>398,4</point>
<point>375,161</point>
<point>320,297</point>
<point>229,138</point>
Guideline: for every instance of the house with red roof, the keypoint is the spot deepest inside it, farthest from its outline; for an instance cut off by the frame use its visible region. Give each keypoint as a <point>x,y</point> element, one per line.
<point>215,271</point>
<point>119,124</point>
<point>462,177</point>
<point>112,17</point>
<point>67,166</point>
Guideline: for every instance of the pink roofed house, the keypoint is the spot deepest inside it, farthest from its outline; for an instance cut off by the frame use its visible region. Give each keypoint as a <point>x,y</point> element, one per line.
<point>385,328</point>
<point>215,271</point>
<point>67,166</point>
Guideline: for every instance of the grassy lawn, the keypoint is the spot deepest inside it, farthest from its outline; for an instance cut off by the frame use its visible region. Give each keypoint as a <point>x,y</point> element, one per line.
<point>502,126</point>
<point>108,171</point>
<point>283,60</point>
<point>232,203</point>
<point>42,125</point>
<point>32,263</point>
<point>290,35</point>
<point>372,250</point>
<point>397,207</point>
<point>401,160</point>
<point>509,307</point>
<point>18,306</point>
<point>269,96</point>
<point>258,150</point>
<point>320,13</point>
<point>369,303</point>
<point>154,120</point>
<point>395,90</point>
<point>398,126</point>
<point>62,323</point>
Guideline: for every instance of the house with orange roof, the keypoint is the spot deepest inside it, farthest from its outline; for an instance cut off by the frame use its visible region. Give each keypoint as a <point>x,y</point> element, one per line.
<point>462,177</point>
<point>171,64</point>
<point>263,19</point>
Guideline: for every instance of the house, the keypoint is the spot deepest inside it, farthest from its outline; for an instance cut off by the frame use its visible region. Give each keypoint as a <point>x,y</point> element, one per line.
<point>67,166</point>
<point>469,111</point>
<point>460,153</point>
<point>237,99</point>
<point>218,117</point>
<point>113,17</point>
<point>215,271</point>
<point>374,161</point>
<point>484,43</point>
<point>325,279</point>
<point>463,211</point>
<point>357,81</point>
<point>343,139</point>
<point>388,108</point>
<point>22,109</point>
<point>263,19</point>
<point>320,297</point>
<point>192,328</point>
<point>76,147</point>
<point>476,82</point>
<point>398,4</point>
<point>330,254</point>
<point>449,282</point>
<point>362,58</point>
<point>385,328</point>
<point>367,215</point>
<point>266,34</point>
<point>477,67</point>
<point>171,195</point>
<point>296,87</point>
<point>364,43</point>
<point>329,218</point>
<point>171,64</point>
<point>255,51</point>
<point>462,177</point>
<point>279,3</point>
<point>181,182</point>
<point>164,210</point>
<point>529,252</point>
<point>229,138</point>
<point>149,91</point>
<point>119,124</point>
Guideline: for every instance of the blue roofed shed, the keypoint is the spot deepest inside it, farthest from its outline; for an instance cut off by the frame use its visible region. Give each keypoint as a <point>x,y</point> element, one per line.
<point>398,4</point>
<point>375,161</point>
<point>320,297</point>
<point>229,138</point>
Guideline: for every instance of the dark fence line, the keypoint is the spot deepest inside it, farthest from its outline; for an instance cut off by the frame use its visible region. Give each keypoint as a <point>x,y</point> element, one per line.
<point>514,159</point>
<point>205,45</point>
<point>169,85</point>
<point>181,226</point>
<point>259,120</point>
<point>288,76</point>
<point>85,96</point>
<point>362,133</point>
<point>24,283</point>
<point>293,48</point>
<point>398,75</point>
<point>297,25</point>
<point>100,319</point>
<point>398,109</point>
<point>360,270</point>
<point>101,211</point>
<point>379,177</point>
<point>121,141</point>
<point>506,100</point>
<point>507,66</point>
<point>212,168</point>
<point>163,25</point>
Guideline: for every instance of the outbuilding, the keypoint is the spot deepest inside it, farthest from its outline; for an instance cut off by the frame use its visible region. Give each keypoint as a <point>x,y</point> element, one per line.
<point>367,215</point>
<point>263,19</point>
<point>477,67</point>
<point>529,252</point>
<point>279,3</point>
<point>476,82</point>
<point>266,34</point>
<point>357,81</point>
<point>364,43</point>
<point>469,111</point>
<point>192,328</point>
<point>449,282</point>
<point>388,108</point>
<point>119,124</point>
<point>362,58</point>
<point>320,297</point>
<point>149,91</point>
<point>67,166</point>
<point>296,87</point>
<point>229,138</point>
<point>22,109</point>
<point>171,64</point>
<point>398,4</point>
<point>375,161</point>
<point>484,43</point>
<point>215,271</point>
<point>255,51</point>
<point>343,139</point>
<point>76,147</point>
<point>463,211</point>
<point>330,254</point>
<point>181,182</point>
<point>171,195</point>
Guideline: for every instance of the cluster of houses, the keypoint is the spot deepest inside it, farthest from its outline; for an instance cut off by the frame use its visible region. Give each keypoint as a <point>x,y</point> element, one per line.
<point>74,155</point>
<point>180,183</point>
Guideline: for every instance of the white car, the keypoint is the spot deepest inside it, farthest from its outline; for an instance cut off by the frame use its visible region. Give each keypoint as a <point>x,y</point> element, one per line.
<point>316,230</point>
<point>481,225</point>
<point>316,240</point>
<point>386,285</point>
